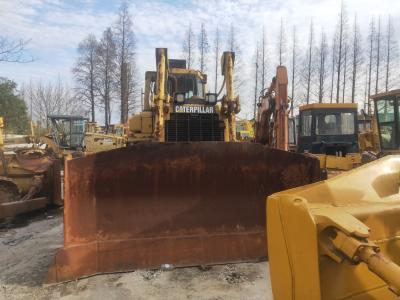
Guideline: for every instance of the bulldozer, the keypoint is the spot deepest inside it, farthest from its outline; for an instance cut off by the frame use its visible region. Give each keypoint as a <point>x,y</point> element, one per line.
<point>182,192</point>
<point>330,132</point>
<point>75,135</point>
<point>339,238</point>
<point>29,180</point>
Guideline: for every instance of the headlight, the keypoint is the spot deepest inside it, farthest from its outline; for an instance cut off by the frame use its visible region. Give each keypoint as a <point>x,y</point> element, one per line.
<point>180,98</point>
<point>211,98</point>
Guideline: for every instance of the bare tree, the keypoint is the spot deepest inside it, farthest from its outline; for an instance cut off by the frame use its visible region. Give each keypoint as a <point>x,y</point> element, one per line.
<point>204,48</point>
<point>263,59</point>
<point>378,55</point>
<point>125,44</point>
<point>366,99</point>
<point>357,58</point>
<point>309,63</point>
<point>106,83</point>
<point>341,36</point>
<point>14,50</point>
<point>345,70</point>
<point>321,69</point>
<point>188,47</point>
<point>84,73</point>
<point>217,42</point>
<point>294,69</point>
<point>333,65</point>
<point>371,54</point>
<point>391,53</point>
<point>234,46</point>
<point>281,43</point>
<point>49,99</point>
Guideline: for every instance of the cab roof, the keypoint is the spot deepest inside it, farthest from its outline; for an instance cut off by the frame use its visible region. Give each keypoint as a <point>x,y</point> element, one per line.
<point>328,106</point>
<point>386,94</point>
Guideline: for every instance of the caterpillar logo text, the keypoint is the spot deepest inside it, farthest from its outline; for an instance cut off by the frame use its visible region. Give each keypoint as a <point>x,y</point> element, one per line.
<point>194,109</point>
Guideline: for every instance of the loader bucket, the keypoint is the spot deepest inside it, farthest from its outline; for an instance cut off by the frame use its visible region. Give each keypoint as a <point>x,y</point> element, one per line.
<point>338,239</point>
<point>183,204</point>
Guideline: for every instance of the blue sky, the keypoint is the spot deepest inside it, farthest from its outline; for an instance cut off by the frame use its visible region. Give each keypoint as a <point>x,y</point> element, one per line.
<point>56,27</point>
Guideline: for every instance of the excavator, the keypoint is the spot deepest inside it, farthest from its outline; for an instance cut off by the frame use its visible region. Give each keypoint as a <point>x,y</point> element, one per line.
<point>272,124</point>
<point>183,192</point>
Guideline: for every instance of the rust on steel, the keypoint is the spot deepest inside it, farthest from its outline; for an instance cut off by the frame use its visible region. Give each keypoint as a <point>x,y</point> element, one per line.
<point>33,181</point>
<point>183,204</point>
<point>37,161</point>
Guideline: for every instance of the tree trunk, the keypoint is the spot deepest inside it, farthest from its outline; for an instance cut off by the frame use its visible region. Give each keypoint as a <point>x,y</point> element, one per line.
<point>378,40</point>
<point>124,93</point>
<point>344,73</point>
<point>333,70</point>
<point>293,70</point>
<point>372,33</point>
<point>339,56</point>
<point>309,64</point>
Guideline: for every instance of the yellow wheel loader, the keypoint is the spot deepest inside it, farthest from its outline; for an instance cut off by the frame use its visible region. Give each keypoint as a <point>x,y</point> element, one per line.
<point>183,192</point>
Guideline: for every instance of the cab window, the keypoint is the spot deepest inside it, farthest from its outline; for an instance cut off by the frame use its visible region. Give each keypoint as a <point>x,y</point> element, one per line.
<point>386,120</point>
<point>306,121</point>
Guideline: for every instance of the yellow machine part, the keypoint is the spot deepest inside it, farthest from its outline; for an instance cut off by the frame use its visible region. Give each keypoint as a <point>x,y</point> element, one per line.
<point>96,142</point>
<point>350,161</point>
<point>339,238</point>
<point>141,123</point>
<point>244,130</point>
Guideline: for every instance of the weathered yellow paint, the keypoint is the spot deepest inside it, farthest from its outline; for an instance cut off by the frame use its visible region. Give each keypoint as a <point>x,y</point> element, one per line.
<point>160,104</point>
<point>350,161</point>
<point>161,97</point>
<point>230,104</point>
<point>338,239</point>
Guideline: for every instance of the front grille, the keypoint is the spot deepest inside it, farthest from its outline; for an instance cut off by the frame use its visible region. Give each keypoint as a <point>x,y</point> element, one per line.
<point>194,127</point>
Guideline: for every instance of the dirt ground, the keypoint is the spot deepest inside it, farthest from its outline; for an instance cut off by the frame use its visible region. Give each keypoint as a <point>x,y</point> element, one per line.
<point>28,244</point>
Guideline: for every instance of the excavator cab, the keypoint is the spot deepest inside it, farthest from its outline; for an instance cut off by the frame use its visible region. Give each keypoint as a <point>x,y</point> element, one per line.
<point>388,118</point>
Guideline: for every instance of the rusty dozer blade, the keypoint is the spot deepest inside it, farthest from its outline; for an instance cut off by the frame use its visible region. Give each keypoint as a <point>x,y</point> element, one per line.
<point>183,204</point>
<point>338,239</point>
